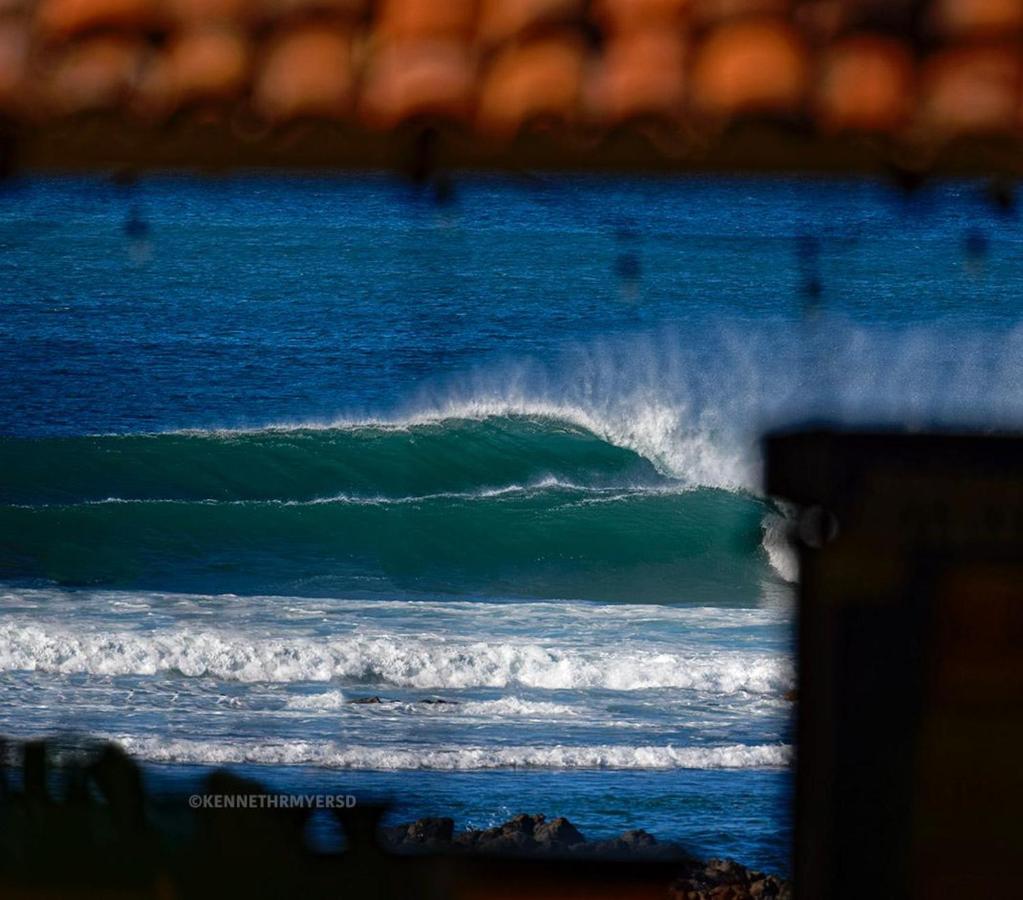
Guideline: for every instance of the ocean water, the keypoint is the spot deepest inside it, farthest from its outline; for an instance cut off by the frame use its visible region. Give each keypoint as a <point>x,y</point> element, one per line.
<point>271,445</point>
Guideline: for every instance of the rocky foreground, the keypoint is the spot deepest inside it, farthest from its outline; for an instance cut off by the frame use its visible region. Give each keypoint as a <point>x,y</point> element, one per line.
<point>535,835</point>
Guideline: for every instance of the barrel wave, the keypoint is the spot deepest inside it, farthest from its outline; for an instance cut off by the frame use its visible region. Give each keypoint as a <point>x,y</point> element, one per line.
<point>504,505</point>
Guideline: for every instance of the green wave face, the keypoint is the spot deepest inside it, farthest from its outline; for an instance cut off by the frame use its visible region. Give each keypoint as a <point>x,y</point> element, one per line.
<point>307,464</point>
<point>498,508</point>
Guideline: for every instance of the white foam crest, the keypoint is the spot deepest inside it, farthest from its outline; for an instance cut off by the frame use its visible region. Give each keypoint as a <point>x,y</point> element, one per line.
<point>499,708</point>
<point>516,706</point>
<point>470,758</point>
<point>688,410</point>
<point>657,431</point>
<point>780,552</point>
<point>398,660</point>
<point>324,701</point>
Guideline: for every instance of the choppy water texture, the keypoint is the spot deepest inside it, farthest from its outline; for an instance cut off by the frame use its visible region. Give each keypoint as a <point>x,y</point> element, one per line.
<point>291,443</point>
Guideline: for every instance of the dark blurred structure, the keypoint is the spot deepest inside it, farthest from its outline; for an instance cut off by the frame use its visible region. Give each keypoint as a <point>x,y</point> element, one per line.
<point>910,721</point>
<point>909,86</point>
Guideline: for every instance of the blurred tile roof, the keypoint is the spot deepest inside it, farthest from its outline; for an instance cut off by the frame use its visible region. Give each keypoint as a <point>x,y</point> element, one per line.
<point>774,83</point>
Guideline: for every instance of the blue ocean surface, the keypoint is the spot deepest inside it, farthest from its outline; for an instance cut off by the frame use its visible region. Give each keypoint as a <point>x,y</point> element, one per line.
<point>272,444</point>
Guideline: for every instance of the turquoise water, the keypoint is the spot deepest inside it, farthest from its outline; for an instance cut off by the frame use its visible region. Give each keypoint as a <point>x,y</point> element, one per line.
<point>269,445</point>
<point>503,507</point>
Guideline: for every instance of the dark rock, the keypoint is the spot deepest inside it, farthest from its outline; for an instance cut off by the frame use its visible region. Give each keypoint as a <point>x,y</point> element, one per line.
<point>724,879</point>
<point>637,843</point>
<point>726,871</point>
<point>557,833</point>
<point>638,838</point>
<point>439,701</point>
<point>523,834</point>
<point>516,842</point>
<point>760,888</point>
<point>514,836</point>
<point>433,833</point>
<point>520,824</point>
<point>431,830</point>
<point>467,840</point>
<point>532,835</point>
<point>361,700</point>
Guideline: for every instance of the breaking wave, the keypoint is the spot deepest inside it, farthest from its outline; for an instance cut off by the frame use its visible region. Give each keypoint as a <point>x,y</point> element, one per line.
<point>520,502</point>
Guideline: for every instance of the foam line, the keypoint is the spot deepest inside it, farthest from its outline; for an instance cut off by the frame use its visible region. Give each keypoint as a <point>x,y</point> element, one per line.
<point>458,759</point>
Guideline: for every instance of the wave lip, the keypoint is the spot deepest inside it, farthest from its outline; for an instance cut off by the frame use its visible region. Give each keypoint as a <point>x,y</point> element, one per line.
<point>400,661</point>
<point>458,759</point>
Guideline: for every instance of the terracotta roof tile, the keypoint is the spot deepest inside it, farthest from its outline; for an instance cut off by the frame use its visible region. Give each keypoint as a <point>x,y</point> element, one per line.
<point>642,74</point>
<point>625,15</point>
<point>531,81</point>
<point>14,49</point>
<point>710,12</point>
<point>63,19</point>
<point>911,71</point>
<point>972,90</point>
<point>347,10</point>
<point>200,13</point>
<point>978,18</point>
<point>751,66</point>
<point>306,71</point>
<point>866,84</point>
<point>503,20</point>
<point>200,66</point>
<point>97,73</point>
<point>412,79</point>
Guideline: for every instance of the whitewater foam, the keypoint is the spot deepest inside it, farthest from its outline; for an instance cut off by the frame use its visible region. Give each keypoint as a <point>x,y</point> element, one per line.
<point>780,552</point>
<point>325,701</point>
<point>466,758</point>
<point>397,660</point>
<point>499,708</point>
